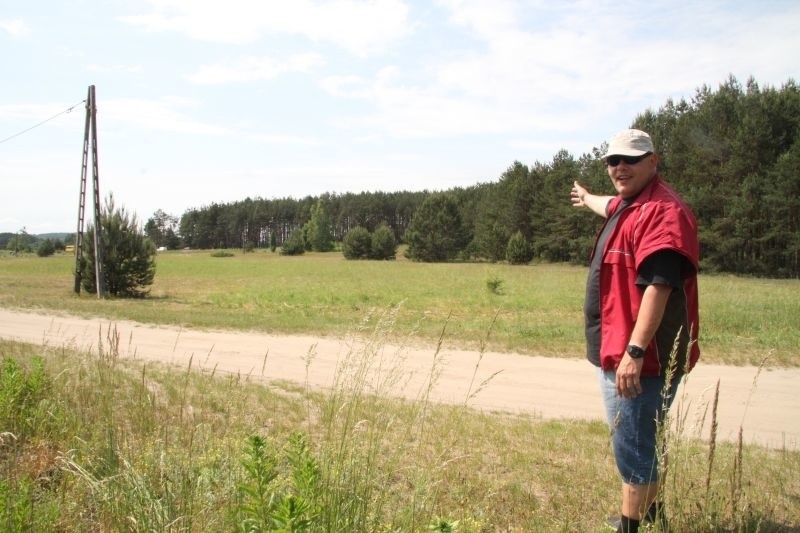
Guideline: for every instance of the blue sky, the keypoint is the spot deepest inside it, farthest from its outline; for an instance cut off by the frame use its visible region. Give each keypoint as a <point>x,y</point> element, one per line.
<point>203,101</point>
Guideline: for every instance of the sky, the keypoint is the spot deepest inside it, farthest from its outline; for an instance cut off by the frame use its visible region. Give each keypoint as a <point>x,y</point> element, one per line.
<point>210,101</point>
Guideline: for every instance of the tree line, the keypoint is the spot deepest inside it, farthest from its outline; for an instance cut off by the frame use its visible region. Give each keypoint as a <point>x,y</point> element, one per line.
<point>44,245</point>
<point>261,222</point>
<point>733,153</point>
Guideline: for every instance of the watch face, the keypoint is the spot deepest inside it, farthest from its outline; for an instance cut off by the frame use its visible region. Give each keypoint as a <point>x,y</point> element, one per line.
<point>635,352</point>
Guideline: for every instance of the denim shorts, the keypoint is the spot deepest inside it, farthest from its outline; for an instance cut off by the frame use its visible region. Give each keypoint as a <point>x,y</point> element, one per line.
<point>634,425</point>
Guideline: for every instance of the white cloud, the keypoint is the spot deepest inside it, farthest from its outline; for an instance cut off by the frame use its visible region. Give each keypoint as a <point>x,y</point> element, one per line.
<point>30,111</point>
<point>253,69</point>
<point>115,69</point>
<point>357,26</point>
<point>543,66</point>
<point>347,86</point>
<point>285,139</point>
<point>487,19</point>
<point>548,68</point>
<point>25,177</point>
<point>417,94</point>
<point>174,114</point>
<point>164,115</point>
<point>15,27</point>
<point>27,117</point>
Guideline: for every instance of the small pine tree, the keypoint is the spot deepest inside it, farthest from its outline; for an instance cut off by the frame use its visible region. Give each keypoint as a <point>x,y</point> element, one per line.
<point>295,244</point>
<point>46,248</point>
<point>128,255</point>
<point>519,251</point>
<point>436,232</point>
<point>318,236</point>
<point>384,245</point>
<point>357,244</point>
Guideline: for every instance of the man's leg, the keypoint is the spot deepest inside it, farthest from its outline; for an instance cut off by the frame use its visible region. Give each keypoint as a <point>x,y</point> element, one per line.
<point>636,499</point>
<point>634,426</point>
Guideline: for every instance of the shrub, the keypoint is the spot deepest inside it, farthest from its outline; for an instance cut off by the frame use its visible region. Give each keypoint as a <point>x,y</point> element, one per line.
<point>494,285</point>
<point>384,245</point>
<point>46,248</point>
<point>222,253</point>
<point>437,232</point>
<point>357,244</point>
<point>518,250</point>
<point>491,241</point>
<point>295,244</point>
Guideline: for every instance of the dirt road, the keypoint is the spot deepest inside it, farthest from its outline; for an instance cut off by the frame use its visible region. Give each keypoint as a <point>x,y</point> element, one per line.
<point>768,412</point>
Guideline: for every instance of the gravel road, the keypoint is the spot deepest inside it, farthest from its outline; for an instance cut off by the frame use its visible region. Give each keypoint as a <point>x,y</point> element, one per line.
<point>768,412</point>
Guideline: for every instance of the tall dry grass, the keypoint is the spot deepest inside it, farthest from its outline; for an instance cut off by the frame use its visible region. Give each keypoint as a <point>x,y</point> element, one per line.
<point>93,441</point>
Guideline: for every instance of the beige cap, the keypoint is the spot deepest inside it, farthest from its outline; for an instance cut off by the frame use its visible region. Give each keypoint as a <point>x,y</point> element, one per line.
<point>630,142</point>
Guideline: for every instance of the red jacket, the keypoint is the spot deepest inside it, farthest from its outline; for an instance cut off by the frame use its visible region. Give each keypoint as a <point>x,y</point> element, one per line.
<point>658,219</point>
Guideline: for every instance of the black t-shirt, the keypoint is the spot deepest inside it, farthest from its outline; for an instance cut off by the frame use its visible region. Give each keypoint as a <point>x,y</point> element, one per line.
<point>661,268</point>
<point>591,306</point>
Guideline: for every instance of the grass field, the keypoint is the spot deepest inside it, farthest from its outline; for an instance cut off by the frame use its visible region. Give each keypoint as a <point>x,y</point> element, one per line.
<point>93,442</point>
<point>743,320</point>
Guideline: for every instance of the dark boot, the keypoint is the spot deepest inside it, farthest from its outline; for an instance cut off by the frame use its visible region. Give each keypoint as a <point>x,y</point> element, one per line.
<point>654,515</point>
<point>627,525</point>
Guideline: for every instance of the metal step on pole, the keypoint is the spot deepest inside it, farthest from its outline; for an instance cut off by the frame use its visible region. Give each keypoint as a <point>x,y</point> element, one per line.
<point>82,199</point>
<point>90,128</point>
<point>98,241</point>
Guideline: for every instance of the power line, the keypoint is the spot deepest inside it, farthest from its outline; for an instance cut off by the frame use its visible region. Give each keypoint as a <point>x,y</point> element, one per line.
<point>67,110</point>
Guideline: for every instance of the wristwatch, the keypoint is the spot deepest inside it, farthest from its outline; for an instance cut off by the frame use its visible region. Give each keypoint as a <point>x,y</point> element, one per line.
<point>634,351</point>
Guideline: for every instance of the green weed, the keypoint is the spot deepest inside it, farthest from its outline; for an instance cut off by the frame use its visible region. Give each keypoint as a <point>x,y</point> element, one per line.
<point>494,285</point>
<point>276,501</point>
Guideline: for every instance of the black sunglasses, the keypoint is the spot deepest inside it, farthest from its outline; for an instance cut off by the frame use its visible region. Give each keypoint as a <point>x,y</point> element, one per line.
<point>614,160</point>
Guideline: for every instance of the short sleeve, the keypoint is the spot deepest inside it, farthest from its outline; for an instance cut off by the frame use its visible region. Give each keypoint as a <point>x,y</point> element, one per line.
<point>661,268</point>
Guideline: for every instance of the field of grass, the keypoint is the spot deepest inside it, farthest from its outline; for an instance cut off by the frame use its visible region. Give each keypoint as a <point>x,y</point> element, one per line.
<point>93,442</point>
<point>743,320</point>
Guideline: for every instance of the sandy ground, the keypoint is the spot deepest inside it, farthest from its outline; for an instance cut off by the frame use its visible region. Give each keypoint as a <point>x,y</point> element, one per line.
<point>768,411</point>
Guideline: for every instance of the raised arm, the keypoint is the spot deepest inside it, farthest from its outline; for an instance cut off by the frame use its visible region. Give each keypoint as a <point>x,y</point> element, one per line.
<point>583,198</point>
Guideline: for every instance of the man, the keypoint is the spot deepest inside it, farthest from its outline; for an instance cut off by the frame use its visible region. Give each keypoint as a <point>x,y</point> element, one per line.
<point>641,311</point>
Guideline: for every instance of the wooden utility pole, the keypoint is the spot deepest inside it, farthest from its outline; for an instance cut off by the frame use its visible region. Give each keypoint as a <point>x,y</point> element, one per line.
<point>90,134</point>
